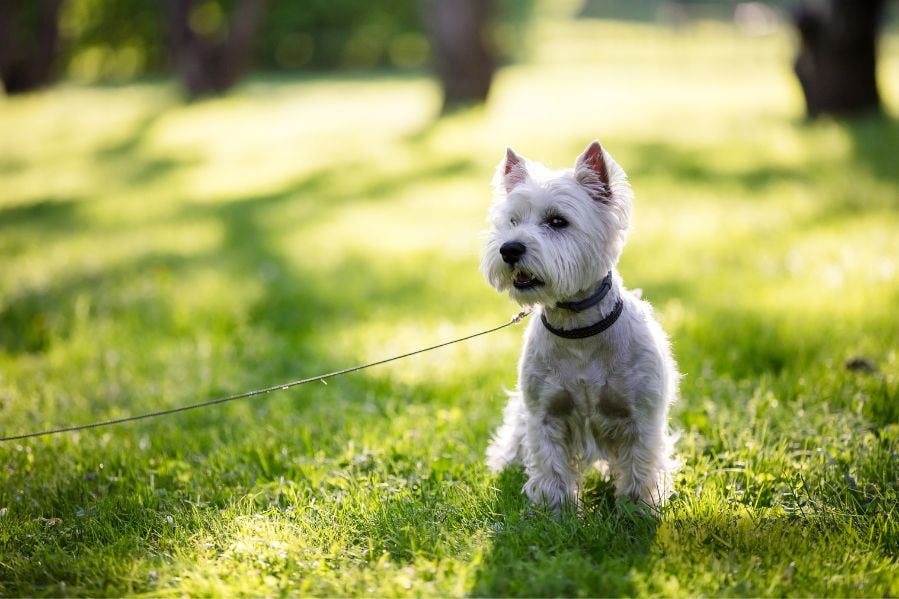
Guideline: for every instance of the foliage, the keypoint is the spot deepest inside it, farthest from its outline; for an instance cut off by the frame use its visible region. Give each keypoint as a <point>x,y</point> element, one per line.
<point>112,39</point>
<point>157,254</point>
<point>119,39</point>
<point>343,33</point>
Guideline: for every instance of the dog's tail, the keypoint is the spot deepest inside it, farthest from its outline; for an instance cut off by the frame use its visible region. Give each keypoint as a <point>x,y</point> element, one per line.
<point>506,446</point>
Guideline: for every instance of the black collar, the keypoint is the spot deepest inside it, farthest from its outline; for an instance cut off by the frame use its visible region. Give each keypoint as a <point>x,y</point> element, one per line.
<point>579,306</point>
<point>591,301</point>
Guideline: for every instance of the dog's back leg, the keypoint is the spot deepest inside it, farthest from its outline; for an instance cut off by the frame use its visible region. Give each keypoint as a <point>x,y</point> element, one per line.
<point>506,447</point>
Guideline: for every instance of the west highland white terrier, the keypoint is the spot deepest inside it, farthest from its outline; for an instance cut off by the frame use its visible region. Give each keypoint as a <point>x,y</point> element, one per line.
<point>596,377</point>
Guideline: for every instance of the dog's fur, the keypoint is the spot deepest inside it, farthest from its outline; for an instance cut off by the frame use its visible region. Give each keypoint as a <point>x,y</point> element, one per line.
<point>602,400</point>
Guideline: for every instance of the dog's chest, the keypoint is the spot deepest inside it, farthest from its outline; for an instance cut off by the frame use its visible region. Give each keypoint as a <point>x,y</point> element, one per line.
<point>577,380</point>
<point>582,372</point>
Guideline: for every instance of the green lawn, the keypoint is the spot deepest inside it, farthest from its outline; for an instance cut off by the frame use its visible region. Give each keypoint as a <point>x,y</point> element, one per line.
<point>155,254</point>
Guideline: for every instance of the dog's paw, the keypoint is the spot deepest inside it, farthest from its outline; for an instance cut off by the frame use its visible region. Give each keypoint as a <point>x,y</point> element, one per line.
<point>551,494</point>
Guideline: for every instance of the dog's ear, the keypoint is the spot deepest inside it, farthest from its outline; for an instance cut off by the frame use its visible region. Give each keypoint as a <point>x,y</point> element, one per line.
<point>591,171</point>
<point>513,170</point>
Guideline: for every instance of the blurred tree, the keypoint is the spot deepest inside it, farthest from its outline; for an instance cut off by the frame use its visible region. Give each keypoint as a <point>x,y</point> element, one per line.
<point>209,42</point>
<point>836,65</point>
<point>343,34</point>
<point>111,39</point>
<point>460,32</point>
<point>211,51</point>
<point>29,40</point>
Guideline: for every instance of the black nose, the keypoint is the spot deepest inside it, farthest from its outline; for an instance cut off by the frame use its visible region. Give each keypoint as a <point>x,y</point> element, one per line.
<point>512,251</point>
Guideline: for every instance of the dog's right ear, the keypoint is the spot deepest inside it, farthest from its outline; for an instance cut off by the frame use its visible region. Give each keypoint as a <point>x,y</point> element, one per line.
<point>513,170</point>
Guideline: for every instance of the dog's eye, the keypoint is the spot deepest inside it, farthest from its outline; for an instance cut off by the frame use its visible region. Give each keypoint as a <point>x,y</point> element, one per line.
<point>557,222</point>
<point>513,222</point>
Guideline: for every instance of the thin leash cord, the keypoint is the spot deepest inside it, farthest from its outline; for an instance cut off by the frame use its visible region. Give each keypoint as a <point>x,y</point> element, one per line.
<point>80,427</point>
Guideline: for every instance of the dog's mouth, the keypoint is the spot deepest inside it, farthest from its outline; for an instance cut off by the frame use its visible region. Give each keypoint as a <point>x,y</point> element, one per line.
<point>525,280</point>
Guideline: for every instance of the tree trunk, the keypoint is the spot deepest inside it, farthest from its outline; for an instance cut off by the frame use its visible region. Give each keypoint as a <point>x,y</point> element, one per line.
<point>206,63</point>
<point>836,65</point>
<point>29,40</point>
<point>459,32</point>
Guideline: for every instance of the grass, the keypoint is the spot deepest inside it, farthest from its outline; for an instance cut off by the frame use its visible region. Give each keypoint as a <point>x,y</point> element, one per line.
<point>156,254</point>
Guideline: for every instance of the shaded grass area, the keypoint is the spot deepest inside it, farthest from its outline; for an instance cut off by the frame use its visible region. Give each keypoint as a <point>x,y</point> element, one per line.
<point>157,254</point>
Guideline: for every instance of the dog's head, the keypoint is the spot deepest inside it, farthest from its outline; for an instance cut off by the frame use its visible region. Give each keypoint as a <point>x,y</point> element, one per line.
<point>555,233</point>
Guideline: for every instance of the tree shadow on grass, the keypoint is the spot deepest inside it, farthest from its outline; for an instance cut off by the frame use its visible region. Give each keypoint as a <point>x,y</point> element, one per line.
<point>849,192</point>
<point>23,225</point>
<point>248,252</point>
<point>535,555</point>
<point>129,161</point>
<point>32,319</point>
<point>522,550</point>
<point>610,552</point>
<point>530,554</point>
<point>875,142</point>
<point>287,319</point>
<point>693,166</point>
<point>45,215</point>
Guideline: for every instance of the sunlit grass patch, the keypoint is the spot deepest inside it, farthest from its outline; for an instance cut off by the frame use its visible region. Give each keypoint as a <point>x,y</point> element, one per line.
<point>156,254</point>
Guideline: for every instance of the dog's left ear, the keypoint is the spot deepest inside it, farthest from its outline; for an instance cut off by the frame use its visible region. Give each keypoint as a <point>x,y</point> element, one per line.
<point>591,171</point>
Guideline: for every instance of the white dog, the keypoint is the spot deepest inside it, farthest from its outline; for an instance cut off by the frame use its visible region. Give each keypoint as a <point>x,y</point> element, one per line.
<point>596,376</point>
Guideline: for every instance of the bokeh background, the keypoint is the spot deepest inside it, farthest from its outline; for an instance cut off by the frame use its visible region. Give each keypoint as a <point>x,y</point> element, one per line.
<point>203,197</point>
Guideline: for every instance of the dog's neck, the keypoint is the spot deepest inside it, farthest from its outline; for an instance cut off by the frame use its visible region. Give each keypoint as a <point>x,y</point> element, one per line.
<point>599,304</point>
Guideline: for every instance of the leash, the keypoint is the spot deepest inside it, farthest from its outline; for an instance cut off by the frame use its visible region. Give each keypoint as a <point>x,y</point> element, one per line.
<point>283,387</point>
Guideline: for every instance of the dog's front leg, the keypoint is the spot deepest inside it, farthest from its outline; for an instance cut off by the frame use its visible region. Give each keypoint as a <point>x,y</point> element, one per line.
<point>549,465</point>
<point>641,465</point>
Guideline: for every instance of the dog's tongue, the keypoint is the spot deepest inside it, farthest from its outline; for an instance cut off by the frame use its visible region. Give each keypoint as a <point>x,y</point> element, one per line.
<point>523,278</point>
